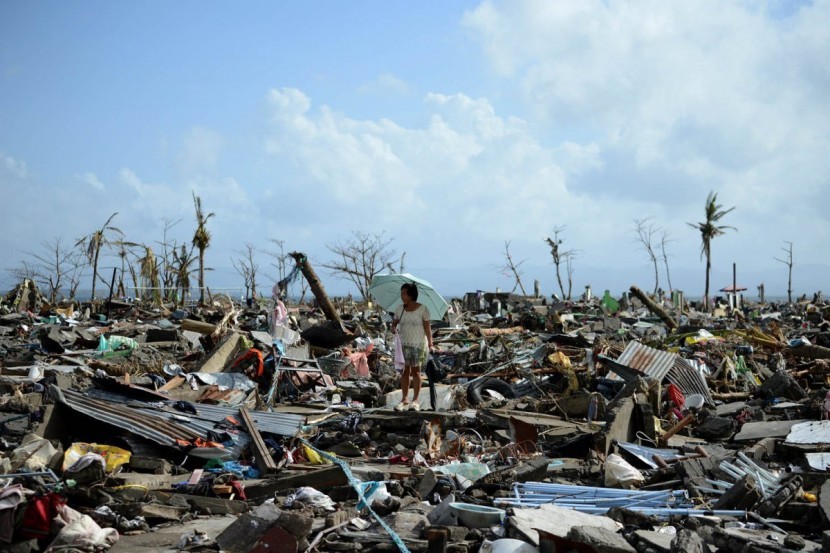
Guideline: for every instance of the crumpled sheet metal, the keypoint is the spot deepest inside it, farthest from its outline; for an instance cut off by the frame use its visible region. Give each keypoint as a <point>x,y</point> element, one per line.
<point>640,360</point>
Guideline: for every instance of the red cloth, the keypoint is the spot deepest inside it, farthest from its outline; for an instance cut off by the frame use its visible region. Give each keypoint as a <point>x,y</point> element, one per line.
<point>239,490</point>
<point>676,396</point>
<point>37,520</point>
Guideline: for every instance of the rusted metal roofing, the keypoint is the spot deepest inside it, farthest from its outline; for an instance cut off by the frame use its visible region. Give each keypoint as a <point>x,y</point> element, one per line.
<point>653,362</point>
<point>155,421</point>
<point>641,360</point>
<point>160,431</point>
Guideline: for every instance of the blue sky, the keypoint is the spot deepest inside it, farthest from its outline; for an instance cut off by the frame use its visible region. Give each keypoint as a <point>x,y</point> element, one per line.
<point>453,127</point>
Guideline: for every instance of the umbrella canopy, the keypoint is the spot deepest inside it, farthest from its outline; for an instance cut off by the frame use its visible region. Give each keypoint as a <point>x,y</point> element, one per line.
<point>386,290</point>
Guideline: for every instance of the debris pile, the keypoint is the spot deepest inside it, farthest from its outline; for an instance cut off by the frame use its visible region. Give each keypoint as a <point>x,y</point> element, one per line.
<point>627,424</point>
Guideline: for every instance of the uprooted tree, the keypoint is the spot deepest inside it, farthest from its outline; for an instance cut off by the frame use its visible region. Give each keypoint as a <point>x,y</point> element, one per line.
<point>360,257</point>
<point>562,257</point>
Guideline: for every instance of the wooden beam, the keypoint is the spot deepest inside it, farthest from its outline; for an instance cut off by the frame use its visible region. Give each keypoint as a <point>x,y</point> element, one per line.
<point>263,458</point>
<point>198,326</point>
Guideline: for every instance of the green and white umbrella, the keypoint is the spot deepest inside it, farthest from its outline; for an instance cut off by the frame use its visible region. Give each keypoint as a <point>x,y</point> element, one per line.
<point>386,291</point>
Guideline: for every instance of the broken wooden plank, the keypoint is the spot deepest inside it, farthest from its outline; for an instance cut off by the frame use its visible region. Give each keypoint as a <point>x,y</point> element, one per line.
<point>321,479</point>
<point>209,505</point>
<point>172,384</point>
<point>262,456</point>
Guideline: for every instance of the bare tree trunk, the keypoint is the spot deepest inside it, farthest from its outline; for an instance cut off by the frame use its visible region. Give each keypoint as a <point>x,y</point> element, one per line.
<point>706,289</point>
<point>789,263</point>
<point>668,276</point>
<point>201,276</point>
<point>514,269</point>
<point>316,287</point>
<point>95,271</point>
<point>656,277</point>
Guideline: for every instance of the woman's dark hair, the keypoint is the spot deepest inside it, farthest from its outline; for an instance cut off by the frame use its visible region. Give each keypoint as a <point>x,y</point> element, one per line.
<point>411,290</point>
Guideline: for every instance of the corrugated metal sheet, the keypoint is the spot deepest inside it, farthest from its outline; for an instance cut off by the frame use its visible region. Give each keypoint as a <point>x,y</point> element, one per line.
<point>283,424</point>
<point>640,359</point>
<point>153,421</point>
<point>160,431</point>
<point>653,362</point>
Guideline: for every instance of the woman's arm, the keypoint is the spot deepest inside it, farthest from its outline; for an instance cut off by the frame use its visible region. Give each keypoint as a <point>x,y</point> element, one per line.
<point>428,332</point>
<point>396,320</point>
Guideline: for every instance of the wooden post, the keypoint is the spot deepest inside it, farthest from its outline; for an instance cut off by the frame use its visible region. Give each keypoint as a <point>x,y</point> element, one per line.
<point>316,287</point>
<point>261,455</point>
<point>654,308</point>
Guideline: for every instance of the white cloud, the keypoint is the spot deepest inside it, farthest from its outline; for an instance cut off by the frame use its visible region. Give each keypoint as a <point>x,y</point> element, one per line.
<point>91,179</point>
<point>15,167</point>
<point>672,100</point>
<point>468,175</point>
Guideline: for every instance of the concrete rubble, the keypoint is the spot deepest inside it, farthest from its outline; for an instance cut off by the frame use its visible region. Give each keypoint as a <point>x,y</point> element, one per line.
<point>602,424</point>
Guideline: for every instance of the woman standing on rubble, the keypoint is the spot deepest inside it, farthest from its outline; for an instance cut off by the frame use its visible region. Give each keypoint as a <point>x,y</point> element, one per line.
<point>416,339</point>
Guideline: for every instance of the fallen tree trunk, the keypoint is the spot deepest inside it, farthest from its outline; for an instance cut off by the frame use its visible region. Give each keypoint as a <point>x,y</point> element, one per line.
<point>316,287</point>
<point>654,308</point>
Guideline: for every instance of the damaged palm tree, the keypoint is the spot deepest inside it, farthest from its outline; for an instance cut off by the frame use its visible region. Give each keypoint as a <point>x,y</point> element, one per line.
<point>710,230</point>
<point>201,240</point>
<point>93,244</point>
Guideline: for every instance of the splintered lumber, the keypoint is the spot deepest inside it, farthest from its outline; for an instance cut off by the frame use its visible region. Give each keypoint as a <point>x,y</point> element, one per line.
<point>654,308</point>
<point>316,287</point>
<point>264,461</point>
<point>220,328</point>
<point>501,331</point>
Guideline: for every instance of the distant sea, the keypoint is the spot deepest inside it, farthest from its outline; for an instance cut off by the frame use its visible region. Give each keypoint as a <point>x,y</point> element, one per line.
<point>238,294</point>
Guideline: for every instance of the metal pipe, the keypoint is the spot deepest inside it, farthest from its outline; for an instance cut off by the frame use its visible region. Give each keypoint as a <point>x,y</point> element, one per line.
<point>719,483</point>
<point>659,512</point>
<point>731,471</point>
<point>742,456</point>
<point>585,490</point>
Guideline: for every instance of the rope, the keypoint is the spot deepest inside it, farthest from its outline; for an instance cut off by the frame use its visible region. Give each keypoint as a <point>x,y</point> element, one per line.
<point>359,487</point>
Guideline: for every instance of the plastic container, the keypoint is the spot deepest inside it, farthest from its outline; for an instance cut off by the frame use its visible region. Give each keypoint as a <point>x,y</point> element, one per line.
<point>477,516</point>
